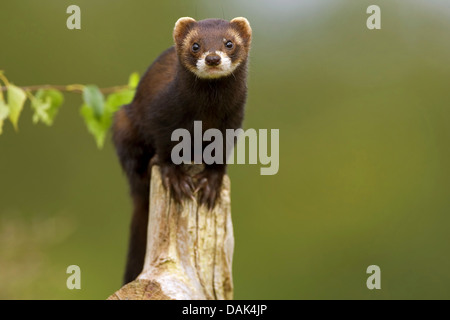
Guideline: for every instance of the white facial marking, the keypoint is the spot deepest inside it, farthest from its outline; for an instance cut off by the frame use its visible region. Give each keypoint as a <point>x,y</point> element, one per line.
<point>225,68</point>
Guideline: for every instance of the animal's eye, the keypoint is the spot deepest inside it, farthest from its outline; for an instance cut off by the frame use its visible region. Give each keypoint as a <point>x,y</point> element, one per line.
<point>195,47</point>
<point>229,45</point>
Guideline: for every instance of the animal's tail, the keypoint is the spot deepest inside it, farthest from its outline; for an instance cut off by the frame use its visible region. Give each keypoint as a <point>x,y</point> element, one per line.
<point>135,158</point>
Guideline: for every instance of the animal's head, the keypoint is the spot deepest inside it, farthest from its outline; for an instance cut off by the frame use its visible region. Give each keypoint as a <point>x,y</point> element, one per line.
<point>212,48</point>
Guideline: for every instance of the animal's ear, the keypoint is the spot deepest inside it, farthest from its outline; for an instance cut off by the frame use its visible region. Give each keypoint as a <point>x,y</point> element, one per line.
<point>182,27</point>
<point>243,27</point>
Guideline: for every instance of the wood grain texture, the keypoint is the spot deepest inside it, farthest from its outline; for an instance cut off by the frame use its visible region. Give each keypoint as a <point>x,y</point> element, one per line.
<point>189,248</point>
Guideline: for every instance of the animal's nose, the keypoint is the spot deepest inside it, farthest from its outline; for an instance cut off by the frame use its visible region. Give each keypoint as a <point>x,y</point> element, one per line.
<point>212,60</point>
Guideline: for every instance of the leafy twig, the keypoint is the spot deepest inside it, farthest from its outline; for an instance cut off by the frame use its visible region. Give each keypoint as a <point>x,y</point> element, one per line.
<point>97,109</point>
<point>78,88</point>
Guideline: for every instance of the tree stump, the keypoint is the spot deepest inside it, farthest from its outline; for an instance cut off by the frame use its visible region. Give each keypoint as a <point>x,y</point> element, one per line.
<point>189,248</point>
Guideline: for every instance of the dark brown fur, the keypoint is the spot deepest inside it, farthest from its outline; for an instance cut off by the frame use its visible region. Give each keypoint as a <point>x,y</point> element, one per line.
<point>171,96</point>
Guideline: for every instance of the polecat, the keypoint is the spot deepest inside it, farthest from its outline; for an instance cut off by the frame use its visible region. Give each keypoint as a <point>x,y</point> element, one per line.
<point>202,77</point>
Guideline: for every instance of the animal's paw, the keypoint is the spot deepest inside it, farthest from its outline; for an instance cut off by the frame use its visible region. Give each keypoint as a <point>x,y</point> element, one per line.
<point>209,184</point>
<point>177,182</point>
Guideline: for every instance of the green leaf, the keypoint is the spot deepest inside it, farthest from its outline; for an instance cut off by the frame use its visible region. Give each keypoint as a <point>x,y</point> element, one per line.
<point>46,104</point>
<point>97,127</point>
<point>4,111</point>
<point>133,81</point>
<point>16,100</point>
<point>98,114</point>
<point>117,99</point>
<point>95,100</point>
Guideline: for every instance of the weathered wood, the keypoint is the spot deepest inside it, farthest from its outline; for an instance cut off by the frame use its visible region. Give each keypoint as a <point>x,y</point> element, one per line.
<point>189,248</point>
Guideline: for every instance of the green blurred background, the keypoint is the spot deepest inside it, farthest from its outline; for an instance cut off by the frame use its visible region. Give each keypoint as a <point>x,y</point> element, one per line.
<point>364,148</point>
